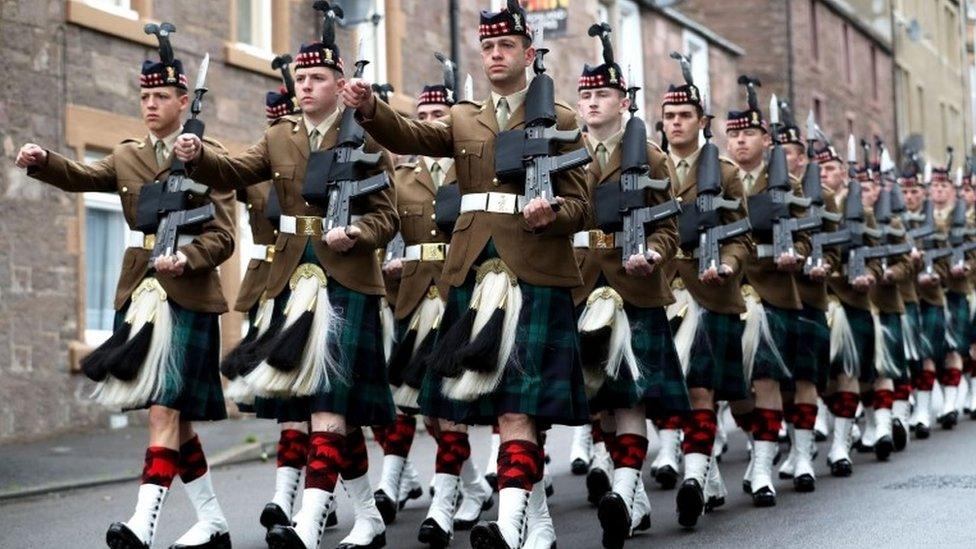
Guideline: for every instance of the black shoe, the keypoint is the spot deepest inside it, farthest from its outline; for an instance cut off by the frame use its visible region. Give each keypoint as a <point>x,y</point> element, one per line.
<point>949,420</point>
<point>747,486</point>
<point>486,535</point>
<point>412,494</point>
<point>579,466</point>
<point>972,415</point>
<point>433,535</point>
<point>272,516</point>
<point>842,468</point>
<point>644,524</point>
<point>819,436</point>
<point>615,520</point>
<point>785,476</point>
<point>883,448</point>
<point>120,537</point>
<point>764,497</point>
<point>469,524</point>
<point>491,478</point>
<point>386,505</point>
<point>283,537</point>
<point>899,435</point>
<point>691,503</point>
<point>804,483</point>
<point>667,477</point>
<point>922,432</point>
<point>376,543</point>
<point>714,503</point>
<point>597,485</point>
<point>218,541</point>
<point>863,448</point>
<point>331,520</point>
<point>550,490</point>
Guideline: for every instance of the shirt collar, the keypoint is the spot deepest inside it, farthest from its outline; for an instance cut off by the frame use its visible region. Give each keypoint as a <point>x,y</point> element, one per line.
<point>610,143</point>
<point>168,140</point>
<point>324,126</point>
<point>690,159</point>
<point>755,173</point>
<point>445,163</point>
<point>515,100</point>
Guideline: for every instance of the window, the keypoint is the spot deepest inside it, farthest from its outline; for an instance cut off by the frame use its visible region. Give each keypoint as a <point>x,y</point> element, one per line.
<point>373,33</point>
<point>874,72</point>
<point>631,59</point>
<point>696,48</point>
<point>105,241</point>
<point>847,55</point>
<point>945,124</point>
<point>253,30</point>
<point>920,105</point>
<point>814,31</point>
<point>122,8</point>
<point>903,103</point>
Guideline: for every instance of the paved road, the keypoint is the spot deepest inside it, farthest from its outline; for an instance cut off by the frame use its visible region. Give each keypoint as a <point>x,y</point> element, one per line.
<point>924,497</point>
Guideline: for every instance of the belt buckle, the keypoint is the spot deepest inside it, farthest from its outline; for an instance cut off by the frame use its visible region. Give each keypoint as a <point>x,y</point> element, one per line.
<point>432,252</point>
<point>269,253</point>
<point>307,225</point>
<point>600,240</point>
<point>148,242</point>
<point>500,203</point>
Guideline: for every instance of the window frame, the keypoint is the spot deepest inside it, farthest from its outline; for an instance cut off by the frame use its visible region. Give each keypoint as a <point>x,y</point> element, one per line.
<point>110,202</point>
<point>702,76</point>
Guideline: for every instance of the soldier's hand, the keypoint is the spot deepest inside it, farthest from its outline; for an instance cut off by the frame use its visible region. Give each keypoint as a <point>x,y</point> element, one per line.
<point>394,268</point>
<point>916,256</point>
<point>863,283</point>
<point>928,280</point>
<point>819,274</point>
<point>788,262</point>
<point>188,147</point>
<point>888,276</point>
<point>539,214</point>
<point>642,265</point>
<point>714,276</point>
<point>341,239</point>
<point>31,155</point>
<point>959,271</point>
<point>358,94</point>
<point>170,265</point>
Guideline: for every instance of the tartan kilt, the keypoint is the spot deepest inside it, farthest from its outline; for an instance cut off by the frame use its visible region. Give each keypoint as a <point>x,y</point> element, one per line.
<point>401,329</point>
<point>862,329</point>
<point>785,329</point>
<point>934,345</point>
<point>814,343</point>
<point>913,313</point>
<point>364,397</point>
<point>895,342</point>
<point>544,377</point>
<point>283,410</point>
<point>661,387</point>
<point>196,340</point>
<point>715,362</point>
<point>958,326</point>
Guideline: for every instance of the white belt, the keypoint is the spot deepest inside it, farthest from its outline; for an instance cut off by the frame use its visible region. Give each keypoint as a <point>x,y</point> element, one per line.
<point>305,224</point>
<point>595,240</point>
<point>137,239</point>
<point>262,252</point>
<point>505,203</point>
<point>426,252</point>
<point>764,250</point>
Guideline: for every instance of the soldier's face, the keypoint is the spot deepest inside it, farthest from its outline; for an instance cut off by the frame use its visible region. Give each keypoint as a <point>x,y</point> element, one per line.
<point>796,160</point>
<point>832,175</point>
<point>941,192</point>
<point>162,109</point>
<point>968,194</point>
<point>317,90</point>
<point>431,113</point>
<point>913,197</point>
<point>601,106</point>
<point>505,58</point>
<point>869,193</point>
<point>682,124</point>
<point>746,146</point>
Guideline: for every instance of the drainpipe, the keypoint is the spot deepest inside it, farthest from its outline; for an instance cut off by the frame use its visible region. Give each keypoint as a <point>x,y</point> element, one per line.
<point>789,54</point>
<point>455,35</point>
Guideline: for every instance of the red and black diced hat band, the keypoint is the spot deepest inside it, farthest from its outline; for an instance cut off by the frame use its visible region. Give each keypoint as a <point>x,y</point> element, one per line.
<point>437,94</point>
<point>504,23</point>
<point>744,120</point>
<point>156,74</point>
<point>685,94</point>
<point>607,75</point>
<point>279,103</point>
<point>826,154</point>
<point>790,135</point>
<point>318,54</point>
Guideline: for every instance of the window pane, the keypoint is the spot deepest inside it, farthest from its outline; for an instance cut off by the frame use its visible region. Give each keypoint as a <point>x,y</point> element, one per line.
<point>631,59</point>
<point>104,245</point>
<point>244,34</point>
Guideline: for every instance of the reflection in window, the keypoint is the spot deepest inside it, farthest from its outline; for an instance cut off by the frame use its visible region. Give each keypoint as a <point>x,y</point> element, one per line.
<point>254,25</point>
<point>105,233</point>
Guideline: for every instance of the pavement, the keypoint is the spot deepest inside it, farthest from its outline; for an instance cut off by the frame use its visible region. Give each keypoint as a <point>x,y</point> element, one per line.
<point>923,497</point>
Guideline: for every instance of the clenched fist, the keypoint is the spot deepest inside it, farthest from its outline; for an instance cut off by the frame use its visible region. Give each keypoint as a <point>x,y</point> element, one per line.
<point>31,155</point>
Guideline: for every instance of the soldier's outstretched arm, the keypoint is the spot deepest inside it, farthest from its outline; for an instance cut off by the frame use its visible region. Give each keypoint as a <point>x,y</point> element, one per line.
<point>400,135</point>
<point>216,169</point>
<point>72,176</point>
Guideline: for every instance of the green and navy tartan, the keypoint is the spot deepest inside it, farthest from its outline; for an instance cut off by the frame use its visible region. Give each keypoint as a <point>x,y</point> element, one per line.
<point>932,334</point>
<point>814,343</point>
<point>913,313</point>
<point>198,394</point>
<point>282,410</point>
<point>894,338</point>
<point>716,356</point>
<point>862,329</point>
<point>661,387</point>
<point>544,377</point>
<point>364,397</point>
<point>958,326</point>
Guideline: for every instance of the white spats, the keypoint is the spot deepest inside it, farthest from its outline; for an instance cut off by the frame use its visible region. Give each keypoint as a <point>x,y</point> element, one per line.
<point>581,450</point>
<point>211,523</point>
<point>491,467</point>
<point>824,419</point>
<point>447,492</point>
<point>310,520</point>
<point>789,464</point>
<point>669,454</point>
<point>696,467</point>
<point>390,478</point>
<point>369,523</point>
<point>805,444</point>
<point>286,488</point>
<point>540,533</point>
<point>922,412</point>
<point>840,446</point>
<point>763,454</point>
<point>149,506</point>
<point>512,508</point>
<point>475,492</point>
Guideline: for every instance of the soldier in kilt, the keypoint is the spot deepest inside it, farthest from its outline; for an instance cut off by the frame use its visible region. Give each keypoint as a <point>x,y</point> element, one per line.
<point>773,325</point>
<point>709,338</point>
<point>326,344</point>
<point>164,354</point>
<point>630,363</point>
<point>512,354</point>
<point>957,289</point>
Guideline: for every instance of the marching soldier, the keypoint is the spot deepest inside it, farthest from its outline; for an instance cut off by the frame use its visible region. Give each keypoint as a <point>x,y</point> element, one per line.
<point>709,339</point>
<point>508,349</point>
<point>165,352</point>
<point>326,343</point>
<point>630,363</point>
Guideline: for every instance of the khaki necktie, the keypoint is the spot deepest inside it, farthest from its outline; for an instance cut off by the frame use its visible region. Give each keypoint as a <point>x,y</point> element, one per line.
<point>437,174</point>
<point>501,113</point>
<point>160,153</point>
<point>601,155</point>
<point>314,139</point>
<point>682,170</point>
<point>747,182</point>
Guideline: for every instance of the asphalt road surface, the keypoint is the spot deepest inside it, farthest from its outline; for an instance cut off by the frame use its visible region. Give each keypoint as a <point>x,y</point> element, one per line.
<point>923,497</point>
